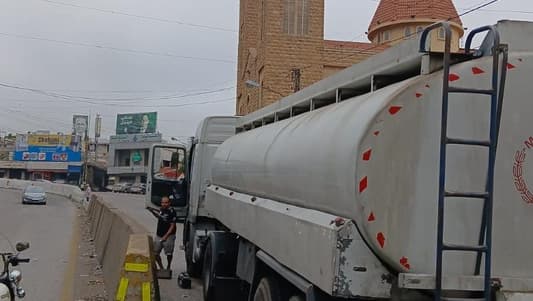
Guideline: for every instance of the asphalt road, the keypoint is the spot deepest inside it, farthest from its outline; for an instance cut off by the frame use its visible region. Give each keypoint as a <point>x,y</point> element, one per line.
<point>49,229</point>
<point>133,206</point>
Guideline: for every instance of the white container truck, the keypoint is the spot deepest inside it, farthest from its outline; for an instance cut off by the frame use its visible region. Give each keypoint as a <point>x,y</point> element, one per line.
<point>403,177</point>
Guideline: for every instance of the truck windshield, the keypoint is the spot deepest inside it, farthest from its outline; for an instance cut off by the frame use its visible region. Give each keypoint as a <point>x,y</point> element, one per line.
<point>168,176</point>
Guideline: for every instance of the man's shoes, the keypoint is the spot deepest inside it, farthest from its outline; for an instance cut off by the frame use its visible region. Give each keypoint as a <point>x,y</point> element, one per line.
<point>164,274</point>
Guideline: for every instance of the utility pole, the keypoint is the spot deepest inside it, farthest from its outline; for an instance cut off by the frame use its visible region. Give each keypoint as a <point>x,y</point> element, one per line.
<point>85,156</point>
<point>86,152</point>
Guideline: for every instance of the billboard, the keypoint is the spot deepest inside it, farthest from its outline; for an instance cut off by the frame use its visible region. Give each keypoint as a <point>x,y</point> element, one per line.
<point>137,123</point>
<point>80,124</point>
<point>48,154</point>
<point>49,139</point>
<point>136,138</point>
<point>21,142</point>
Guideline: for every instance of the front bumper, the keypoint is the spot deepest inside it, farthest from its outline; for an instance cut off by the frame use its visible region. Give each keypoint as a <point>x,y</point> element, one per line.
<point>34,201</point>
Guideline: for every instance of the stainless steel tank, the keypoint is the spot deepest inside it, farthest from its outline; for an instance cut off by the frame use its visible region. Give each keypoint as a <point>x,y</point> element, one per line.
<point>375,159</point>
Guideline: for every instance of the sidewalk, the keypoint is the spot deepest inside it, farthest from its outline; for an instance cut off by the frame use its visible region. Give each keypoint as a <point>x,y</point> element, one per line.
<point>133,206</point>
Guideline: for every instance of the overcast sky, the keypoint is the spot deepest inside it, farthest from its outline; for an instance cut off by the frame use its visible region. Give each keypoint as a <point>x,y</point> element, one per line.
<point>175,57</point>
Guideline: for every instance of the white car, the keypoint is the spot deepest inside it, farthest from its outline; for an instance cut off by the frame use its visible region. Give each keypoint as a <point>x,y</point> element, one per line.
<point>34,195</point>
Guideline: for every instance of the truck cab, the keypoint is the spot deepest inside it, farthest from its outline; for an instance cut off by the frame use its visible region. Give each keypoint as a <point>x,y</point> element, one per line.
<point>167,176</point>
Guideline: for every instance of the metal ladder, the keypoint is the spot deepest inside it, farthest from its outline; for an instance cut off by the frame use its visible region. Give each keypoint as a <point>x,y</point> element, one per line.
<point>484,246</point>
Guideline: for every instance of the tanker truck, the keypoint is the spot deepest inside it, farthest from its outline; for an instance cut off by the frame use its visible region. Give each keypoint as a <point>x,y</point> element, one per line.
<point>403,177</point>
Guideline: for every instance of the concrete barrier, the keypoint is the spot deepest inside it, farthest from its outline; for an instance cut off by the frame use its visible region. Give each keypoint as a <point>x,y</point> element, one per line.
<point>124,249</point>
<point>137,277</point>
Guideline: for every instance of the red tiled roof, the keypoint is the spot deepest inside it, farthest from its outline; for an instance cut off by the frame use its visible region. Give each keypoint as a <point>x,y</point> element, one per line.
<point>410,10</point>
<point>354,45</point>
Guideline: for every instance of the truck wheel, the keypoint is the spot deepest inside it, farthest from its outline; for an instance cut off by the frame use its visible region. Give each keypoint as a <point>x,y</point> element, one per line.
<point>220,261</point>
<point>267,290</point>
<point>208,273</point>
<point>194,269</point>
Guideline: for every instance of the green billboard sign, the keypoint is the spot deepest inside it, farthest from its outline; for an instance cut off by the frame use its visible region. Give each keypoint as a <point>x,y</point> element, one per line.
<point>137,123</point>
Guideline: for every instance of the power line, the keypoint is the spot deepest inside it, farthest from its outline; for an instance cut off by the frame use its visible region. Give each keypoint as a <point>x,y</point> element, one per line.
<point>64,97</point>
<point>186,104</point>
<point>133,51</point>
<point>114,12</point>
<point>92,100</point>
<point>132,99</point>
<point>140,91</point>
<point>507,11</point>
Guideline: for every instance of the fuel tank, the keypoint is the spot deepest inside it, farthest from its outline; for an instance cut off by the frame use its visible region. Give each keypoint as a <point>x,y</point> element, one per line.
<point>374,159</point>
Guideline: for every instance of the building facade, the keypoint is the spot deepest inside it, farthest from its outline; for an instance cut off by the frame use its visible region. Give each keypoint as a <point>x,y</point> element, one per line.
<point>282,47</point>
<point>42,155</point>
<point>127,160</point>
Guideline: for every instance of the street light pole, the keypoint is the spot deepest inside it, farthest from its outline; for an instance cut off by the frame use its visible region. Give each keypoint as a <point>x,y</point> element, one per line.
<point>253,84</point>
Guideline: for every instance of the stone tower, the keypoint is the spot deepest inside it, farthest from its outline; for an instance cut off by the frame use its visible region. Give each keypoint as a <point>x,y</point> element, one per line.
<point>280,49</point>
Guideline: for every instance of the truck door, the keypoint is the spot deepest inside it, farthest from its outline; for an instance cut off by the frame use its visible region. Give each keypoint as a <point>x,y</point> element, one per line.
<point>167,176</point>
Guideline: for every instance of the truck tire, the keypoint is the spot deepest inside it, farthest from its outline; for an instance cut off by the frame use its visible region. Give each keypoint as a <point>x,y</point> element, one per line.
<point>267,290</point>
<point>194,269</point>
<point>218,274</point>
<point>208,274</point>
<point>297,298</point>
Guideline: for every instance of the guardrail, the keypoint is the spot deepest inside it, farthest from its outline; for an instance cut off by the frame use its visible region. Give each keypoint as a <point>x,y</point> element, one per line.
<point>70,191</point>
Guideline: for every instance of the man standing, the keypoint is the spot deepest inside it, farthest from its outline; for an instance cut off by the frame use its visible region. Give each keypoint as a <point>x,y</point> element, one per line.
<point>166,231</point>
<point>88,192</point>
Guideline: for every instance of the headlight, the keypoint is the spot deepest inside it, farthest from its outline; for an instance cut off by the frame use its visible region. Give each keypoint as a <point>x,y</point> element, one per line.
<point>15,276</point>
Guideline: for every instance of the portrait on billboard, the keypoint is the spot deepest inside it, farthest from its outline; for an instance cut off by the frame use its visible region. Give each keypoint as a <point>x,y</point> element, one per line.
<point>21,142</point>
<point>80,123</point>
<point>138,123</point>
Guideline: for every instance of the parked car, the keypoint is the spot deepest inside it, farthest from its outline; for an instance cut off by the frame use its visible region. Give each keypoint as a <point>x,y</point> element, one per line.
<point>34,195</point>
<point>138,188</point>
<point>109,187</point>
<point>125,187</point>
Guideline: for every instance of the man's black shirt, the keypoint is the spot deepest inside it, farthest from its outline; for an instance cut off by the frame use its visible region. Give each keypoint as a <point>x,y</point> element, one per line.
<point>166,218</point>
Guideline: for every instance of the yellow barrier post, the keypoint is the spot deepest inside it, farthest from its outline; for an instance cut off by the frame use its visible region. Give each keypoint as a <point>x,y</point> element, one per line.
<point>137,280</point>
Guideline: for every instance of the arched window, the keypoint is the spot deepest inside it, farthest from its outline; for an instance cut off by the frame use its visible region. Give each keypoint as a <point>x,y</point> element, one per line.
<point>442,34</point>
<point>296,17</point>
<point>407,32</point>
<point>386,36</point>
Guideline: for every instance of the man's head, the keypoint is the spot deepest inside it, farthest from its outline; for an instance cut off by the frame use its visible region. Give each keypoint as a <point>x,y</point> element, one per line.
<point>145,122</point>
<point>165,202</point>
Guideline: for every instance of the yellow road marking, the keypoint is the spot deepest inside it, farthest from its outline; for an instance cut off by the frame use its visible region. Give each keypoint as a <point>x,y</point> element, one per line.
<point>146,291</point>
<point>122,289</point>
<point>136,267</point>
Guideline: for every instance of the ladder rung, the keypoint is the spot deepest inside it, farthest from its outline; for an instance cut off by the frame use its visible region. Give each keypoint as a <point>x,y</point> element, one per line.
<point>473,195</point>
<point>467,142</point>
<point>452,247</point>
<point>470,90</point>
